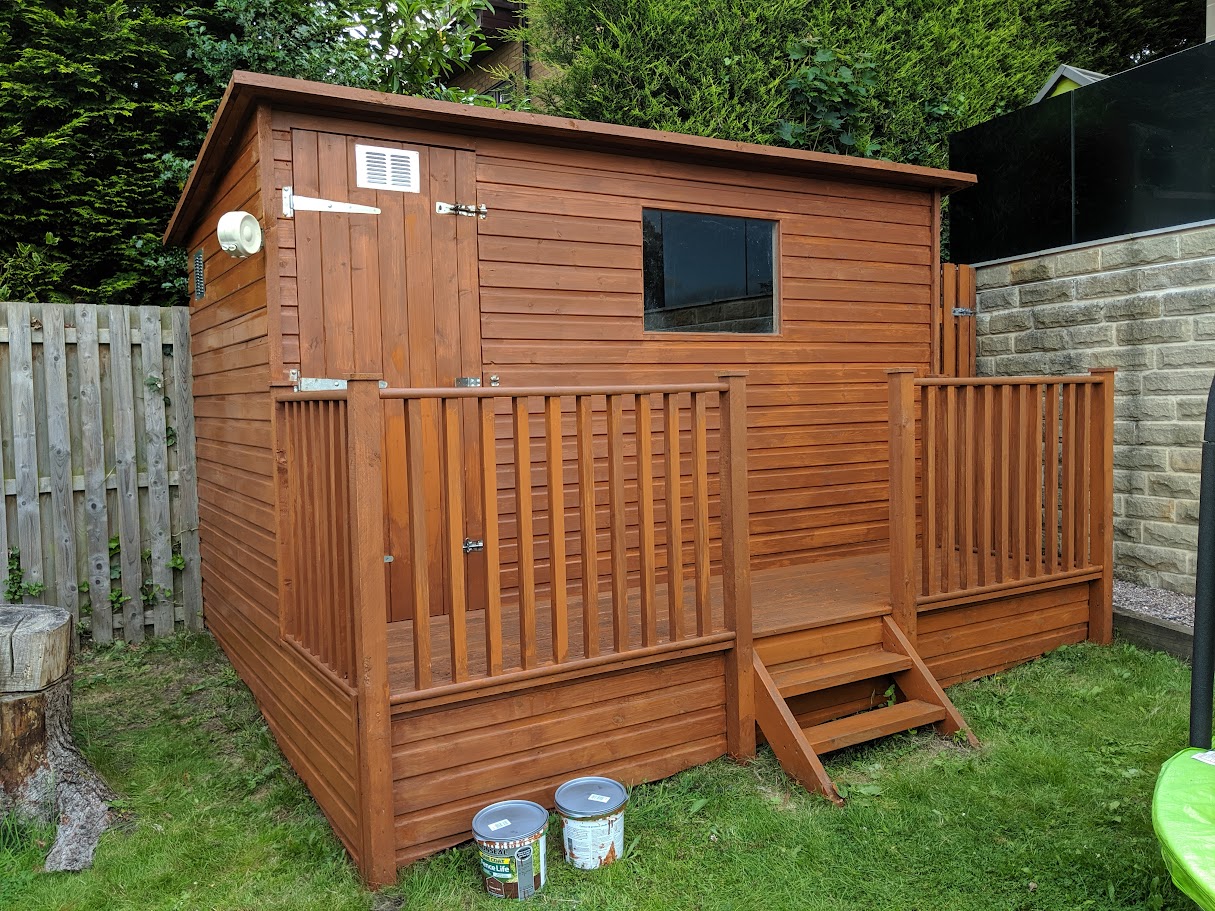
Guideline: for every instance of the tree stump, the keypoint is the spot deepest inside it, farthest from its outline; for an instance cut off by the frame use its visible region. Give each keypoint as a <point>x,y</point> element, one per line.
<point>43,777</point>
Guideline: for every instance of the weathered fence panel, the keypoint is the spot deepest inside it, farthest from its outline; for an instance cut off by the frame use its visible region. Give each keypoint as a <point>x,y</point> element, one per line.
<point>99,505</point>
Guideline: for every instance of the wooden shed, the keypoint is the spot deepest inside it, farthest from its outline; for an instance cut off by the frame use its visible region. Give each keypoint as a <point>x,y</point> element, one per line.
<point>531,448</point>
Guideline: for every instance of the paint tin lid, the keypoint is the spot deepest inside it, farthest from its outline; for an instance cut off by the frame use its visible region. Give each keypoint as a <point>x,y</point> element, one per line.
<point>509,820</point>
<point>583,797</point>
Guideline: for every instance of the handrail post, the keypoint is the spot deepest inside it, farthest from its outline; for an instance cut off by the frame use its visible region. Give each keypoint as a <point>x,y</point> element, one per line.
<point>736,568</point>
<point>1101,509</point>
<point>365,415</point>
<point>902,501</point>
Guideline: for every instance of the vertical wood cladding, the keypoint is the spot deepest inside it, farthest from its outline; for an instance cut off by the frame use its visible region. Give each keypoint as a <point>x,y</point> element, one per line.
<point>312,718</point>
<point>634,725</point>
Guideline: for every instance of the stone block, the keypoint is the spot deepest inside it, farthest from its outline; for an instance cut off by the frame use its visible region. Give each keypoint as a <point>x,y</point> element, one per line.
<point>1169,534</point>
<point>1128,382</point>
<point>1010,321</point>
<point>1177,433</point>
<point>1061,315</point>
<point>1078,262</point>
<point>1140,458</point>
<point>1139,306</point>
<point>1198,242</point>
<point>1128,530</point>
<point>1139,252</point>
<point>1129,482</point>
<point>1188,302</point>
<point>990,345</point>
<point>985,366</point>
<point>997,299</point>
<point>1038,269</point>
<point>1188,355</point>
<point>1137,575</point>
<point>1152,557</point>
<point>1110,284</point>
<point>1048,292</point>
<point>1191,408</point>
<point>1090,336</point>
<point>991,277</point>
<point>1178,275</point>
<point>1132,357</point>
<point>1185,512</point>
<point>1182,584</point>
<point>1204,327</point>
<point>1184,486</point>
<point>1040,364</point>
<point>1156,508</point>
<point>1185,460</point>
<point>1144,408</point>
<point>1180,382</point>
<point>1126,433</point>
<point>1155,331</point>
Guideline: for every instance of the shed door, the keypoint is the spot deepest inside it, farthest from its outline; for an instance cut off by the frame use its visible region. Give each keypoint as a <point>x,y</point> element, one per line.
<point>395,295</point>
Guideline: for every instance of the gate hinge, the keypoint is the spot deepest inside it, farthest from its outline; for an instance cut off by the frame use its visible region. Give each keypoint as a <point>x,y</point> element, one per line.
<point>459,208</point>
<point>470,545</point>
<point>468,382</point>
<point>318,384</point>
<point>964,311</point>
<point>293,203</point>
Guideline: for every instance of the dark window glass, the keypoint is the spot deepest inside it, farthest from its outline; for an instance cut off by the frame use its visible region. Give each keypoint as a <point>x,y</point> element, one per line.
<point>708,273</point>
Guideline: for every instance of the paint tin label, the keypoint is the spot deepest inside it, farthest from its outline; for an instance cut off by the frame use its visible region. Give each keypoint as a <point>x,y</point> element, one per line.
<point>514,870</point>
<point>598,798</point>
<point>500,824</point>
<point>593,843</point>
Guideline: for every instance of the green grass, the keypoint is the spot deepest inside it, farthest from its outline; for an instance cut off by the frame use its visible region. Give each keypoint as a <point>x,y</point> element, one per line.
<point>1053,812</point>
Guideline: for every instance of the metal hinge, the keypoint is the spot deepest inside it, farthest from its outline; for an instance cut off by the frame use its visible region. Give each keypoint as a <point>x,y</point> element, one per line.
<point>470,545</point>
<point>459,208</point>
<point>468,382</point>
<point>293,203</point>
<point>963,311</point>
<point>318,384</point>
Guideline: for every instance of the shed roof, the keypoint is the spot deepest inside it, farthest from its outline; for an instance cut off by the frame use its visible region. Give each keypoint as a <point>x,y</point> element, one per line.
<point>247,90</point>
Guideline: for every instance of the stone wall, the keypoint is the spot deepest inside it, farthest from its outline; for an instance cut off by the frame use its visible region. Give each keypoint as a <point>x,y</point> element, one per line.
<point>1147,307</point>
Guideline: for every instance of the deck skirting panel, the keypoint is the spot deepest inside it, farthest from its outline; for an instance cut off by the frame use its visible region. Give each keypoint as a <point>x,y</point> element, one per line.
<point>638,724</point>
<point>975,640</point>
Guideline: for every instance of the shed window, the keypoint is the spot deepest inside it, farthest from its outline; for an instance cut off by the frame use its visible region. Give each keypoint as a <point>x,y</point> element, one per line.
<point>708,273</point>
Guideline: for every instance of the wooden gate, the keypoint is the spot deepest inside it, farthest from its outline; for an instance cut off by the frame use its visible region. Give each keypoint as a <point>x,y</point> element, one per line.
<point>953,323</point>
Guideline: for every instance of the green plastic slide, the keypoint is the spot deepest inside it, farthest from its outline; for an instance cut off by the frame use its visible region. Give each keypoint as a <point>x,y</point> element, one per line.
<point>1183,814</point>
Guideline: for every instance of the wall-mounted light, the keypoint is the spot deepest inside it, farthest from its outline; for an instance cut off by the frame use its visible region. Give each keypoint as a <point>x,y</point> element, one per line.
<point>239,234</point>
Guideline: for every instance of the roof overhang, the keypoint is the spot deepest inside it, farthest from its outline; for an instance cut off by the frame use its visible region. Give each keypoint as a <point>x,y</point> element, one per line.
<point>1074,73</point>
<point>247,91</point>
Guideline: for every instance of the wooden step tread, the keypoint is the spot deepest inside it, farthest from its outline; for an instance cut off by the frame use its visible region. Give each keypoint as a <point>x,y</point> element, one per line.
<point>846,732</point>
<point>810,675</point>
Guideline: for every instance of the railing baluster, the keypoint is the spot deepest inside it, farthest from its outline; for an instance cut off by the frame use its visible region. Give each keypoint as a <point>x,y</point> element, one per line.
<point>524,520</point>
<point>700,515</point>
<point>674,506</point>
<point>949,521</point>
<point>555,457</point>
<point>966,502</point>
<point>930,583</point>
<point>1004,504</point>
<point>645,521</point>
<point>493,554</point>
<point>590,539</point>
<point>1084,478</point>
<point>617,517</point>
<point>1051,479</point>
<point>1036,480</point>
<point>1020,490</point>
<point>419,559</point>
<point>985,445</point>
<point>453,496</point>
<point>1068,531</point>
<point>328,611</point>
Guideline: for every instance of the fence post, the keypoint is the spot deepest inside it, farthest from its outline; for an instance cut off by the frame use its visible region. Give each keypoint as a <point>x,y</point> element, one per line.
<point>902,500</point>
<point>736,567</point>
<point>1101,509</point>
<point>365,414</point>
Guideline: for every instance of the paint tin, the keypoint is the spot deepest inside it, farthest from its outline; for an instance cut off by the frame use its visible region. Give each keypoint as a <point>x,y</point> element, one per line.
<point>510,836</point>
<point>592,818</point>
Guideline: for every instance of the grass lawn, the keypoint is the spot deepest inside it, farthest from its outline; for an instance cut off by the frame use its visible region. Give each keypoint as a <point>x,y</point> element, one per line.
<point>1053,812</point>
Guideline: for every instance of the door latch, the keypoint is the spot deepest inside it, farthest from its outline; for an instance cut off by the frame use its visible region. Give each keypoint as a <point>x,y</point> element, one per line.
<point>459,208</point>
<point>470,545</point>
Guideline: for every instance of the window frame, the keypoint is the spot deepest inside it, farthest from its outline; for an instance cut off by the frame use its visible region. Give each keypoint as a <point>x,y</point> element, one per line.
<point>778,302</point>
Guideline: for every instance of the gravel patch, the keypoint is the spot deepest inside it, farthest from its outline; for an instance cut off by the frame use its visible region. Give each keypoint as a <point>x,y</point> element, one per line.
<point>1154,602</point>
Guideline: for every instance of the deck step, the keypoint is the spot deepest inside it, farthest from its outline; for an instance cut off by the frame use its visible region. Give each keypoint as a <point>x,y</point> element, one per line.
<point>846,732</point>
<point>810,675</point>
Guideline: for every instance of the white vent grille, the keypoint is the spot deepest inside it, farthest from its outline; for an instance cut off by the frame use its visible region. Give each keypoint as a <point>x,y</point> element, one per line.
<point>386,169</point>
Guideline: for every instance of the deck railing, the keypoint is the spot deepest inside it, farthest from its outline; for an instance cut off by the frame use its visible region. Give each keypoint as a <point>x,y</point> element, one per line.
<point>317,604</point>
<point>592,510</point>
<point>1014,484</point>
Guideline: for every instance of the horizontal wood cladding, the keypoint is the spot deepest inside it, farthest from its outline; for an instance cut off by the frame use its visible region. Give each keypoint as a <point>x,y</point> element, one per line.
<point>975,640</point>
<point>635,725</point>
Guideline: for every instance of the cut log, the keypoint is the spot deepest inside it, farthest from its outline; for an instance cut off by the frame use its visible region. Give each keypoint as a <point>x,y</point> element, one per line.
<point>43,777</point>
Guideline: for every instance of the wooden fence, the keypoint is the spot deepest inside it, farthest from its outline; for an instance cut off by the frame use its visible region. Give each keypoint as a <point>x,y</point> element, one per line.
<point>953,323</point>
<point>100,507</point>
